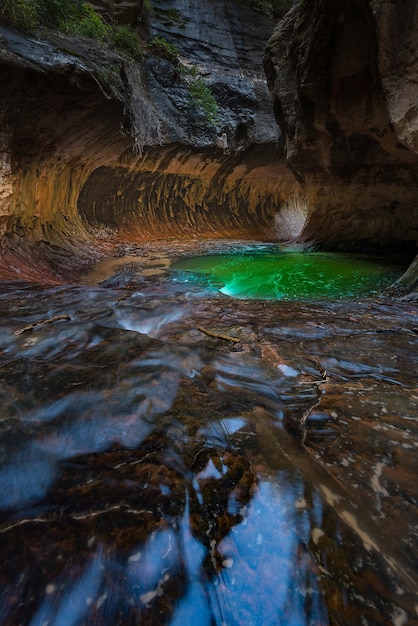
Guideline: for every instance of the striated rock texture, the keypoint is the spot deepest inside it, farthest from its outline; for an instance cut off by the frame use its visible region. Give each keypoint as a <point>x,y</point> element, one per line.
<point>343,78</point>
<point>94,147</point>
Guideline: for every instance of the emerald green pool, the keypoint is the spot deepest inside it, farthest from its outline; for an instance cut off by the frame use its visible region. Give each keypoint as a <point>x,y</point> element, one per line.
<point>289,275</point>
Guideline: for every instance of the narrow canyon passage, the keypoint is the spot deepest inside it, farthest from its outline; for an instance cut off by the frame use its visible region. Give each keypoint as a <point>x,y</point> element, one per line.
<point>208,346</point>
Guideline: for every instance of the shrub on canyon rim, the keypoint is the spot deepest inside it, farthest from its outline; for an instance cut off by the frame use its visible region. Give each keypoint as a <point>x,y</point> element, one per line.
<point>73,17</point>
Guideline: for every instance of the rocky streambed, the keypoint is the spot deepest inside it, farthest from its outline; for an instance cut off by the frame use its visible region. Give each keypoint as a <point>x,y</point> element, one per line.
<point>170,454</point>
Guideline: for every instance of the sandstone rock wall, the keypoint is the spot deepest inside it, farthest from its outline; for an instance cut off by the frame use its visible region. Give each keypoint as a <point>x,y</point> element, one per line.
<point>397,61</point>
<point>343,78</point>
<point>184,192</point>
<point>77,124</point>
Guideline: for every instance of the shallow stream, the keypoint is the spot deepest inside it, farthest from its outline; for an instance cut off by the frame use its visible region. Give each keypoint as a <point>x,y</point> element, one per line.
<point>171,454</point>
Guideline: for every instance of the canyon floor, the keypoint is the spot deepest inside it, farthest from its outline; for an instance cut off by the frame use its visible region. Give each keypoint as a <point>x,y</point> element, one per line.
<point>171,454</point>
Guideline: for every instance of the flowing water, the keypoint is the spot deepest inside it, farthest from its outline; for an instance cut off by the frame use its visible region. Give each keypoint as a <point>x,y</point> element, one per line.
<point>174,455</point>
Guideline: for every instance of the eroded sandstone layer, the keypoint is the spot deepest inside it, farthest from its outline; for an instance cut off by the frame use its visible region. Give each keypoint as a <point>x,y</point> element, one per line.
<point>95,147</point>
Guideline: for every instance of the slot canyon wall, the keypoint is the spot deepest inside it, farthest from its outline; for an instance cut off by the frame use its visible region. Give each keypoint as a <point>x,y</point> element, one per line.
<point>344,83</point>
<point>96,149</point>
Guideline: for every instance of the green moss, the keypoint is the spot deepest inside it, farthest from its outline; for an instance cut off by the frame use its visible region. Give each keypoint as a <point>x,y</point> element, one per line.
<point>204,99</point>
<point>88,24</point>
<point>127,40</point>
<point>55,13</point>
<point>30,14</point>
<point>73,17</point>
<point>162,48</point>
<point>20,14</point>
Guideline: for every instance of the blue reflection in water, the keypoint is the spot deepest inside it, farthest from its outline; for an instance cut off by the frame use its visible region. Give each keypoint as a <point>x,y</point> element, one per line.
<point>266,574</point>
<point>194,545</point>
<point>74,597</point>
<point>194,607</point>
<point>269,577</point>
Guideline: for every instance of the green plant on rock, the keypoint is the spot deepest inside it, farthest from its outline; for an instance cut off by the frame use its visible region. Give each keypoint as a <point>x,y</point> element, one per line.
<point>187,71</point>
<point>203,98</point>
<point>73,17</point>
<point>162,48</point>
<point>201,95</point>
<point>56,13</point>
<point>126,40</point>
<point>20,14</point>
<point>89,24</point>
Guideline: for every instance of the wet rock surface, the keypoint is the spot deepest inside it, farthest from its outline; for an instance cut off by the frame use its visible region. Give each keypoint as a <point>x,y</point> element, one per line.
<point>167,452</point>
<point>153,472</point>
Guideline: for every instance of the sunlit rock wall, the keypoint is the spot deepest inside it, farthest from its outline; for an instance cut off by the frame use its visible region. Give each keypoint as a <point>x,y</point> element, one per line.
<point>343,77</point>
<point>95,147</point>
<point>183,192</point>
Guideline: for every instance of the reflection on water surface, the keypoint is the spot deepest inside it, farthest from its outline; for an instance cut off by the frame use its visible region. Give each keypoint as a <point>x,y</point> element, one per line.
<point>170,455</point>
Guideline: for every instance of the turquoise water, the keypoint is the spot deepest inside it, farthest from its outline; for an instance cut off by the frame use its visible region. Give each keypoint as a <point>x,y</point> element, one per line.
<point>290,275</point>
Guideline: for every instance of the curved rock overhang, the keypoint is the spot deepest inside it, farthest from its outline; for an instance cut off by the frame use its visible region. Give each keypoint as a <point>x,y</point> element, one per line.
<point>175,191</point>
<point>74,186</point>
<point>56,130</point>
